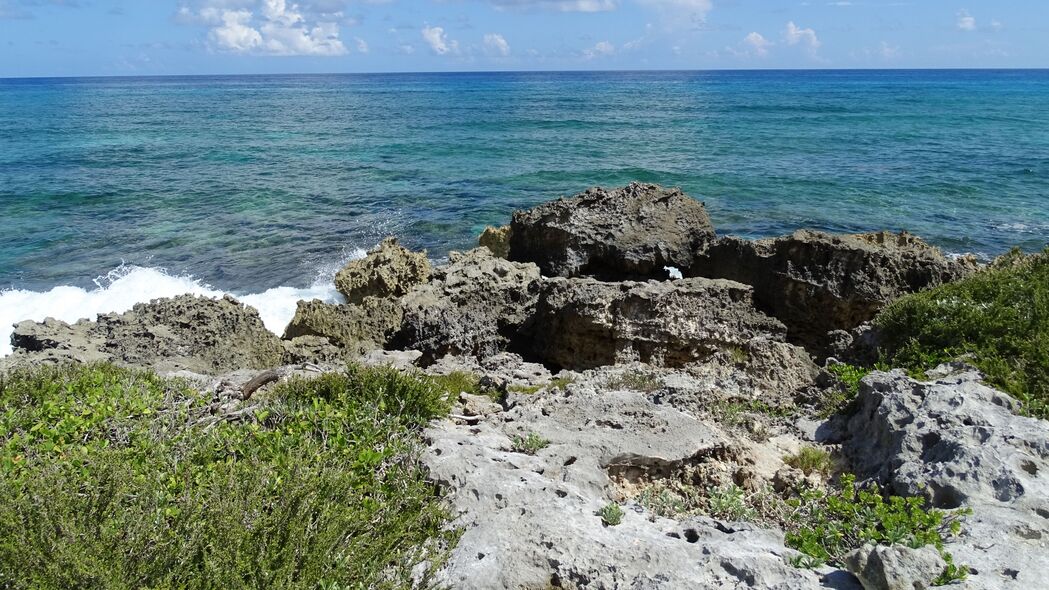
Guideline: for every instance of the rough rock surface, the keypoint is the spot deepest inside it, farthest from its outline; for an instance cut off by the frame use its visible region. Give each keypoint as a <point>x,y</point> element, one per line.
<point>816,282</point>
<point>585,323</point>
<point>389,270</point>
<point>895,568</point>
<point>182,333</point>
<point>530,521</point>
<point>958,443</point>
<point>473,306</point>
<point>496,239</point>
<point>624,233</point>
<point>354,328</point>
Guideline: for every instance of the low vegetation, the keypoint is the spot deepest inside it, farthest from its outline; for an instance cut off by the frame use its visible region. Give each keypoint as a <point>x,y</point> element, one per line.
<point>529,445</point>
<point>997,319</point>
<point>611,514</point>
<point>810,460</point>
<point>837,400</point>
<point>458,382</point>
<point>635,380</point>
<point>111,478</point>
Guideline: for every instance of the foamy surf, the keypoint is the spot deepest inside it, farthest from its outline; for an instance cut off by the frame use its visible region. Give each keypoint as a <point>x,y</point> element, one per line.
<point>121,288</point>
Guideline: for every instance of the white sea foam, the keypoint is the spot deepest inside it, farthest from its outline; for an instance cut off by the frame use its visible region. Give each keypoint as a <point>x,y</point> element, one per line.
<point>120,289</point>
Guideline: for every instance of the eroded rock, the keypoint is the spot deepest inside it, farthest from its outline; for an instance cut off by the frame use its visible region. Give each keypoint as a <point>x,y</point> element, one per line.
<point>613,234</point>
<point>496,239</point>
<point>897,567</point>
<point>353,328</point>
<point>389,270</point>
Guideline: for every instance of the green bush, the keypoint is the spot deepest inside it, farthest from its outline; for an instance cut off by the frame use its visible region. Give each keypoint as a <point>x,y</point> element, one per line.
<point>611,514</point>
<point>997,318</point>
<point>111,478</point>
<point>810,460</point>
<point>530,445</point>
<point>827,525</point>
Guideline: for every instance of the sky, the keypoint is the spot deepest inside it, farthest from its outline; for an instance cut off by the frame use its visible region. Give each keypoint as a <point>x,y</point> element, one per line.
<point>170,37</point>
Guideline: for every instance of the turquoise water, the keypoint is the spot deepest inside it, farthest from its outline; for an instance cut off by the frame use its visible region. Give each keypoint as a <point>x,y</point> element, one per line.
<point>250,183</point>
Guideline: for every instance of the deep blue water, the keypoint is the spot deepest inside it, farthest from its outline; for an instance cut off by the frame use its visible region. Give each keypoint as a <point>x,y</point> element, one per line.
<point>248,183</point>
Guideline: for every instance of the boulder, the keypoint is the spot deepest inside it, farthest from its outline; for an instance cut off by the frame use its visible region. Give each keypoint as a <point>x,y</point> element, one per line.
<point>958,443</point>
<point>584,323</point>
<point>816,282</point>
<point>632,232</point>
<point>475,306</point>
<point>353,328</point>
<point>389,270</point>
<point>898,567</point>
<point>496,239</point>
<point>187,332</point>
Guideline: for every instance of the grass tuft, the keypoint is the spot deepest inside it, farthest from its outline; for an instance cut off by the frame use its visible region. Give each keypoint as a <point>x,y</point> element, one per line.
<point>529,445</point>
<point>810,460</point>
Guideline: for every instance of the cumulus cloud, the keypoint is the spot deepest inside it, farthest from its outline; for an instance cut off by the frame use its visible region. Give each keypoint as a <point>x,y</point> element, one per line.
<point>600,49</point>
<point>362,45</point>
<point>758,45</point>
<point>438,41</point>
<point>263,27</point>
<point>495,44</point>
<point>806,37</point>
<point>966,21</point>
<point>559,5</point>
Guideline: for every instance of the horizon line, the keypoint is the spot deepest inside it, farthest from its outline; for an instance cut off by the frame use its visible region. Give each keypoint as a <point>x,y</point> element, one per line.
<point>581,71</point>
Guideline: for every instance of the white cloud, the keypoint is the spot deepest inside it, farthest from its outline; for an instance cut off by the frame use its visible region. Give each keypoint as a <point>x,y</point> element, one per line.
<point>495,44</point>
<point>362,45</point>
<point>966,21</point>
<point>438,40</point>
<point>806,37</point>
<point>758,44</point>
<point>600,49</point>
<point>559,5</point>
<point>263,27</point>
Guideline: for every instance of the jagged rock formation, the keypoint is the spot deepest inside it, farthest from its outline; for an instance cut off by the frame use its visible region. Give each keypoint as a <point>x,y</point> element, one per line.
<point>879,567</point>
<point>816,282</point>
<point>182,333</point>
<point>354,328</point>
<point>389,270</point>
<point>496,239</point>
<point>625,233</point>
<point>958,443</point>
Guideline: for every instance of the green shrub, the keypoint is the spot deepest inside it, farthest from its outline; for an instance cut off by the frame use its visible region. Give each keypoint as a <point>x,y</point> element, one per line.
<point>997,318</point>
<point>635,380</point>
<point>729,503</point>
<point>111,478</point>
<point>827,525</point>
<point>458,382</point>
<point>611,514</point>
<point>810,460</point>
<point>530,445</point>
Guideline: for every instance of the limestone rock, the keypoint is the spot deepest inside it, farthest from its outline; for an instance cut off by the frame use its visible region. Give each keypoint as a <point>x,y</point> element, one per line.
<point>389,270</point>
<point>816,282</point>
<point>351,327</point>
<point>958,443</point>
<point>631,232</point>
<point>476,305</point>
<point>585,323</point>
<point>192,333</point>
<point>898,567</point>
<point>496,239</point>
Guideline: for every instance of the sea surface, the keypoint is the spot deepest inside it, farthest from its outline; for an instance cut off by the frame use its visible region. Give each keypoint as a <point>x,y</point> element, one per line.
<point>118,190</point>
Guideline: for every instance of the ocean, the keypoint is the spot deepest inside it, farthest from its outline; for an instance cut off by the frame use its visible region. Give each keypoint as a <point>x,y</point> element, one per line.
<point>119,190</point>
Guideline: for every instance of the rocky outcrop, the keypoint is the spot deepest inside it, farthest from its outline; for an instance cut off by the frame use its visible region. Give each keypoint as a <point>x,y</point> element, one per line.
<point>191,333</point>
<point>585,323</point>
<point>816,282</point>
<point>389,270</point>
<point>625,233</point>
<point>496,239</point>
<point>897,567</point>
<point>353,328</point>
<point>475,306</point>
<point>958,443</point>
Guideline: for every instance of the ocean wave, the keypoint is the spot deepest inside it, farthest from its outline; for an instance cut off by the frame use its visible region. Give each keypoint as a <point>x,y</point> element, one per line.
<point>121,288</point>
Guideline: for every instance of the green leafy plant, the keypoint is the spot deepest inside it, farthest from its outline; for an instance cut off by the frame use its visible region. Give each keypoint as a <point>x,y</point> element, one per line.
<point>998,319</point>
<point>611,514</point>
<point>952,573</point>
<point>635,380</point>
<point>810,460</point>
<point>729,503</point>
<point>530,445</point>
<point>458,382</point>
<point>111,478</point>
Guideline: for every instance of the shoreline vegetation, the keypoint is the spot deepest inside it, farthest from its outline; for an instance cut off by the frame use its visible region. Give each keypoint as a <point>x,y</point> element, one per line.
<point>552,409</point>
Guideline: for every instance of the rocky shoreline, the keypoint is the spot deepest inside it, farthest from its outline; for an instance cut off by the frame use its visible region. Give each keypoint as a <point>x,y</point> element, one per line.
<point>653,359</point>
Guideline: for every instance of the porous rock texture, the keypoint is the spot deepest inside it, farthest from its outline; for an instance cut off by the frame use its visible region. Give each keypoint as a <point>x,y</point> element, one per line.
<point>496,239</point>
<point>585,323</point>
<point>531,521</point>
<point>389,270</point>
<point>958,443</point>
<point>631,232</point>
<point>476,305</point>
<point>896,567</point>
<point>187,332</point>
<point>353,328</point>
<point>816,282</point>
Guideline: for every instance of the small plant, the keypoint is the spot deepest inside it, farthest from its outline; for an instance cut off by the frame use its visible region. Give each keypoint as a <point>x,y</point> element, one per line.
<point>810,460</point>
<point>458,382</point>
<point>525,389</point>
<point>530,445</point>
<point>553,385</point>
<point>806,562</point>
<point>952,573</point>
<point>561,382</point>
<point>670,500</point>
<point>739,355</point>
<point>635,380</point>
<point>729,503</point>
<point>611,514</point>
<point>850,377</point>
<point>732,412</point>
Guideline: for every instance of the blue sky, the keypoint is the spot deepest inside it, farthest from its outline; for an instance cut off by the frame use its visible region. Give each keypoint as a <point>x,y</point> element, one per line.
<point>146,37</point>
